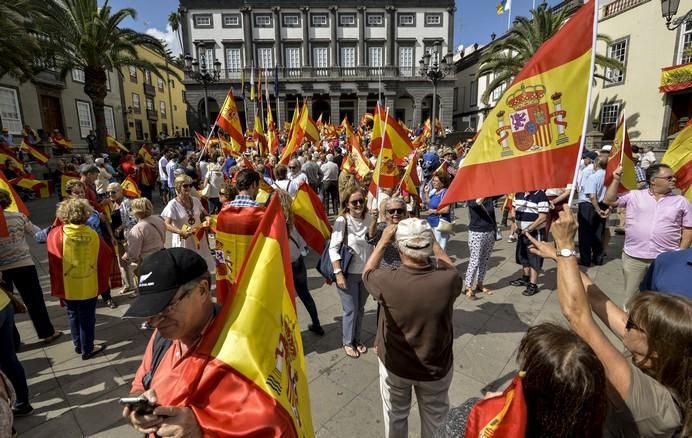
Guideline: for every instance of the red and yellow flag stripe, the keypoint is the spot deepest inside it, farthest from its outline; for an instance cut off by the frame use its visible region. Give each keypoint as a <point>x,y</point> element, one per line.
<point>310,219</point>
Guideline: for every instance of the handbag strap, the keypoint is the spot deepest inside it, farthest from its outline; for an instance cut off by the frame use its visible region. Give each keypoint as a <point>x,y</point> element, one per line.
<point>344,238</point>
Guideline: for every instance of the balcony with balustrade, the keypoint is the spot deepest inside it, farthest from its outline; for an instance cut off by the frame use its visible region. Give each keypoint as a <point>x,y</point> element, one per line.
<point>619,6</point>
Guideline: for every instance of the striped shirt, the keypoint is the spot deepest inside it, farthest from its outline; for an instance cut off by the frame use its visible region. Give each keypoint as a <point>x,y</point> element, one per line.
<point>244,201</point>
<point>528,206</point>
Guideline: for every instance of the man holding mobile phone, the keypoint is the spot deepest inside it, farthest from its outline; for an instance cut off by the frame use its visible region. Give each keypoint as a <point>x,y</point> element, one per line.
<point>175,299</point>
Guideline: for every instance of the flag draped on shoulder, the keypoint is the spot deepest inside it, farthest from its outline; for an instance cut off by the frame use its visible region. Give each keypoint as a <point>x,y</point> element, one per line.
<point>17,204</point>
<point>114,145</point>
<point>38,155</point>
<point>310,219</point>
<point>679,157</point>
<point>621,155</point>
<point>531,139</point>
<point>256,336</point>
<point>229,120</point>
<point>79,262</point>
<point>235,227</point>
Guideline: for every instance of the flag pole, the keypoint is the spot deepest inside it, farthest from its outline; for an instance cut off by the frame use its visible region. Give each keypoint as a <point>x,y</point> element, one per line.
<point>624,133</point>
<point>587,105</point>
<point>206,141</point>
<point>379,159</point>
<point>509,17</point>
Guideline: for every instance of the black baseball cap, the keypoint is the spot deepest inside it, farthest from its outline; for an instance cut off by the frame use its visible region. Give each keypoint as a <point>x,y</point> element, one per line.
<point>160,276</point>
<point>590,154</point>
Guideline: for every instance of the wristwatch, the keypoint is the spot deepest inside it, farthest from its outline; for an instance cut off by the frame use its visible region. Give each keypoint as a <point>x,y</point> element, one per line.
<point>566,252</point>
<point>337,271</point>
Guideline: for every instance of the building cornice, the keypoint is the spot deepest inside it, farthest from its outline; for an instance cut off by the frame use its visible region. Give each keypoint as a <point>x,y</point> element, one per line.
<point>224,4</point>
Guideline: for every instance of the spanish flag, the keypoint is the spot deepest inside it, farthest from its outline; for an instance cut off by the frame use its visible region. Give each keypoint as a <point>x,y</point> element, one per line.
<point>114,145</point>
<point>235,227</point>
<point>61,142</point>
<point>251,360</point>
<point>227,147</point>
<point>272,135</point>
<point>28,183</point>
<point>531,139</point>
<point>361,165</point>
<point>294,120</point>
<point>130,189</point>
<point>4,231</point>
<point>679,158</point>
<point>17,204</point>
<point>38,155</point>
<point>310,219</point>
<point>8,154</point>
<point>308,125</point>
<point>621,155</point>
<point>229,121</point>
<point>395,136</point>
<point>505,415</point>
<point>386,174</point>
<point>79,262</point>
<point>145,152</point>
<point>410,181</point>
<point>297,137</point>
<point>64,178</point>
<point>258,135</point>
<point>442,169</point>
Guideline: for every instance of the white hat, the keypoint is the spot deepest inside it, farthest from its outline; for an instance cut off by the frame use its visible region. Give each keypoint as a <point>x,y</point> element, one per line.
<point>414,233</point>
<point>606,148</point>
<point>99,161</point>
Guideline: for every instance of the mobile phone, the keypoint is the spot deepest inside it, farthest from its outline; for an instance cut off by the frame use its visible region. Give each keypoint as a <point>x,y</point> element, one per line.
<point>140,405</point>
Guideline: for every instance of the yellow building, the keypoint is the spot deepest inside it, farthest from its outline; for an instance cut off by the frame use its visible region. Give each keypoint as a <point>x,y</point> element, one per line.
<point>153,105</point>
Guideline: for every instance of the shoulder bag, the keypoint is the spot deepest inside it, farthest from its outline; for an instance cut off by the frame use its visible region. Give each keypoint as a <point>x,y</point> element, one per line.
<point>324,264</point>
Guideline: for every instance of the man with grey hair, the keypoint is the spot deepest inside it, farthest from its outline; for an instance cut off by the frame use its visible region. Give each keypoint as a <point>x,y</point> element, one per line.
<point>414,330</point>
<point>330,184</point>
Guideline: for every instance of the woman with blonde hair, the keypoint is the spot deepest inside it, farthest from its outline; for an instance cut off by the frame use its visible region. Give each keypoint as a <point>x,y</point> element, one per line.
<point>351,228</point>
<point>650,385</point>
<point>148,235</point>
<point>184,217</point>
<point>79,261</point>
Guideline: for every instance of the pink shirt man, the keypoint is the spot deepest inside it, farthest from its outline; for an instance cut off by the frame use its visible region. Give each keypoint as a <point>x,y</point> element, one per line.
<point>654,227</point>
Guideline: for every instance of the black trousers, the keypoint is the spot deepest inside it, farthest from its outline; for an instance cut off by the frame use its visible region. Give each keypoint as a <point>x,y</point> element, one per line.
<point>330,193</point>
<point>25,279</point>
<point>591,230</point>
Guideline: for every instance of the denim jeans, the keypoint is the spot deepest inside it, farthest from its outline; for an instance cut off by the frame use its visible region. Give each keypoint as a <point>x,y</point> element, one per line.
<point>353,302</point>
<point>9,363</point>
<point>300,282</point>
<point>82,317</point>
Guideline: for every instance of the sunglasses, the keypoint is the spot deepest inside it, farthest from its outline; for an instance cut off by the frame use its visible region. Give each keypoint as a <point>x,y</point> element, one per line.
<point>111,192</point>
<point>187,186</point>
<point>292,167</point>
<point>395,211</point>
<point>629,325</point>
<point>669,178</point>
<point>357,202</point>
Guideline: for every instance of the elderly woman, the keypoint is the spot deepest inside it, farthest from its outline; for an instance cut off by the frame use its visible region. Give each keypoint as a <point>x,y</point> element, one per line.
<point>298,248</point>
<point>79,262</point>
<point>148,235</point>
<point>212,183</point>
<point>122,220</point>
<point>351,227</point>
<point>649,384</point>
<point>482,228</point>
<point>394,211</point>
<point>184,217</point>
<point>437,213</point>
<point>18,268</point>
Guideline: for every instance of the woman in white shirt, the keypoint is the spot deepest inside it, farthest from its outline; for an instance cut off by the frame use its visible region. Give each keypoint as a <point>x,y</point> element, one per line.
<point>354,222</point>
<point>212,184</point>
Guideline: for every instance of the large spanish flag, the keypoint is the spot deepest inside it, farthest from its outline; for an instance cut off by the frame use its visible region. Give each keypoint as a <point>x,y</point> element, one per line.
<point>297,136</point>
<point>310,219</point>
<point>256,336</point>
<point>235,227</point>
<point>17,204</point>
<point>361,165</point>
<point>386,174</point>
<point>308,125</point>
<point>621,155</point>
<point>531,139</point>
<point>79,262</point>
<point>386,130</point>
<point>38,155</point>
<point>229,120</point>
<point>679,158</point>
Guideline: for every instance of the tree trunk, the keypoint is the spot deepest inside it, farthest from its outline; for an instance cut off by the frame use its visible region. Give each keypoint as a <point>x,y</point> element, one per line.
<point>95,88</point>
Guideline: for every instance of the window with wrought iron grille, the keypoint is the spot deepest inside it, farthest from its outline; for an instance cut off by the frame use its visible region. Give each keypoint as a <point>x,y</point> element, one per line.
<point>84,116</point>
<point>685,44</point>
<point>617,51</point>
<point>9,110</point>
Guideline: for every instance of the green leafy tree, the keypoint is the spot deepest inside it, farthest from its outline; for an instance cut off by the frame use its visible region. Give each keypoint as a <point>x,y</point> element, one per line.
<point>17,47</point>
<point>504,59</point>
<point>82,35</point>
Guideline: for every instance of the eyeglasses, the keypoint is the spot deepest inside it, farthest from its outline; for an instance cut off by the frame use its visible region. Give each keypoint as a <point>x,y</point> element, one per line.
<point>292,167</point>
<point>113,192</point>
<point>170,308</point>
<point>669,178</point>
<point>187,186</point>
<point>629,325</point>
<point>395,211</point>
<point>357,202</point>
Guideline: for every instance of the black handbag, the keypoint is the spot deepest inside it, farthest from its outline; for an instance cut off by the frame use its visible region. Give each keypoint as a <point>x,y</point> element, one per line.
<point>324,264</point>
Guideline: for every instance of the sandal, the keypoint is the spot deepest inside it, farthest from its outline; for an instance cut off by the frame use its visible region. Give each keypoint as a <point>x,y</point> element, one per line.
<point>484,290</point>
<point>362,349</point>
<point>470,294</point>
<point>351,352</point>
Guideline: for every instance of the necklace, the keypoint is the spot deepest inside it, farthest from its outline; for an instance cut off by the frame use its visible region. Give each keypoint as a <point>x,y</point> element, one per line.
<point>189,211</point>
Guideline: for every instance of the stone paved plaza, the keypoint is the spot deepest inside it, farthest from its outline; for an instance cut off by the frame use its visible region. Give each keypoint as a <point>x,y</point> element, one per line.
<point>75,398</point>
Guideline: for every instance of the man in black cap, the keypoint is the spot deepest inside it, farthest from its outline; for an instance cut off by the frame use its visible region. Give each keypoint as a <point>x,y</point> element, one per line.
<point>175,298</point>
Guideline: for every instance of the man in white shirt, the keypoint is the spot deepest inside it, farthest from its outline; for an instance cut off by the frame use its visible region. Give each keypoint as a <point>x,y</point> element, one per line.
<point>330,184</point>
<point>163,175</point>
<point>647,158</point>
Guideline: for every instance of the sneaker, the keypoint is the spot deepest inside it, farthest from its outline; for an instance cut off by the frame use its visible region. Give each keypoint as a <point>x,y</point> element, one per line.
<point>23,411</point>
<point>521,281</point>
<point>512,238</point>
<point>112,304</point>
<point>317,329</point>
<point>531,289</point>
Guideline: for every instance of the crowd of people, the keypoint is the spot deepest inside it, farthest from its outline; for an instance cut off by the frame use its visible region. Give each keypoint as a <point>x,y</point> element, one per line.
<point>576,382</point>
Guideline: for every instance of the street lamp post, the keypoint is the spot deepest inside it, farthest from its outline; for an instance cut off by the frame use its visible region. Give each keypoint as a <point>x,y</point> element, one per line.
<point>435,67</point>
<point>201,71</point>
<point>669,8</point>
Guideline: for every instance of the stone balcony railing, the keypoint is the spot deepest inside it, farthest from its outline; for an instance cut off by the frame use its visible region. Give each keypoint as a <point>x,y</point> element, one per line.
<point>619,6</point>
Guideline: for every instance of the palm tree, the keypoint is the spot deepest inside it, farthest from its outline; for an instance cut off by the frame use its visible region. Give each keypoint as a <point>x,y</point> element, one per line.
<point>174,22</point>
<point>505,58</point>
<point>82,35</point>
<point>17,47</point>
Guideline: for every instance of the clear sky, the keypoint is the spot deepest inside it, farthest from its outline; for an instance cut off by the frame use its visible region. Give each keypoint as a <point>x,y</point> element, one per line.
<point>475,19</point>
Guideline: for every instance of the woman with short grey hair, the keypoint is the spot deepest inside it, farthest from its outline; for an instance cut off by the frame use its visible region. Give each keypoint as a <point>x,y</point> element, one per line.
<point>148,235</point>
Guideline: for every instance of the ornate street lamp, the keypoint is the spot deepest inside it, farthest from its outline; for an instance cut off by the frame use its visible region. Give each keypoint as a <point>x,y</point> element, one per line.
<point>435,67</point>
<point>668,9</point>
<point>205,72</point>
